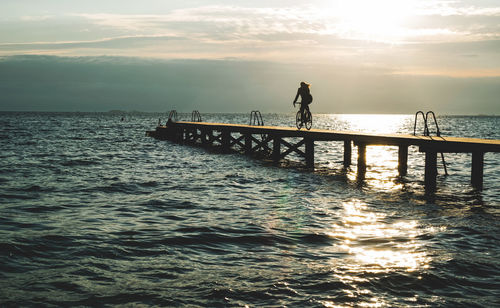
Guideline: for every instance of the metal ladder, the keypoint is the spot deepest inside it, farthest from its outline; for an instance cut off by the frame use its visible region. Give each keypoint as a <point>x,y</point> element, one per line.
<point>427,131</point>
<point>172,116</point>
<point>256,118</point>
<point>195,116</point>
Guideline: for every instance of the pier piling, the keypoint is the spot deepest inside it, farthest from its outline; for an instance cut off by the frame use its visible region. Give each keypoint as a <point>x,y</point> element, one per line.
<point>477,170</point>
<point>361,160</point>
<point>403,160</point>
<point>225,134</point>
<point>347,153</point>
<point>248,144</point>
<point>309,152</point>
<point>276,149</point>
<point>430,170</point>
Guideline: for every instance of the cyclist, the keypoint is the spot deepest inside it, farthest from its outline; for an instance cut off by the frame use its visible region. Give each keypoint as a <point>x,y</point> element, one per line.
<point>306,98</point>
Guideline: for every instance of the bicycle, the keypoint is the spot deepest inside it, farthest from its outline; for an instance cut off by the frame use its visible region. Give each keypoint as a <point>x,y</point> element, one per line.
<point>303,119</point>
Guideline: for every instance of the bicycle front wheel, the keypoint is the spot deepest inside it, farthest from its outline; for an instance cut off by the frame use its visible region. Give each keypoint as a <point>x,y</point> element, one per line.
<point>298,120</point>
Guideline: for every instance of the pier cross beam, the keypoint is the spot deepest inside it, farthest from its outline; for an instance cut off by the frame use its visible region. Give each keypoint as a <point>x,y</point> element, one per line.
<point>293,148</point>
<point>215,138</point>
<point>237,141</point>
<point>261,144</point>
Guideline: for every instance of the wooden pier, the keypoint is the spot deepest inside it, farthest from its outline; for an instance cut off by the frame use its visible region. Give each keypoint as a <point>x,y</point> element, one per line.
<point>269,141</point>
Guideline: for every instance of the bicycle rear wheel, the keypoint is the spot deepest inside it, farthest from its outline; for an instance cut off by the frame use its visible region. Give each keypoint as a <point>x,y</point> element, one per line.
<point>308,119</point>
<point>298,120</point>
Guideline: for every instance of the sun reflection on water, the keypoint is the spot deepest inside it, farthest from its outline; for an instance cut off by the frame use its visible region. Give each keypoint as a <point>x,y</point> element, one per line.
<point>375,245</point>
<point>382,161</point>
<point>382,168</point>
<point>377,123</point>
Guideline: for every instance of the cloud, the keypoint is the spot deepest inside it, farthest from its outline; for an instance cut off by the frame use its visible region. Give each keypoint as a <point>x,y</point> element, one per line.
<point>116,42</point>
<point>37,18</point>
<point>221,21</point>
<point>334,32</point>
<point>438,20</point>
<point>454,8</point>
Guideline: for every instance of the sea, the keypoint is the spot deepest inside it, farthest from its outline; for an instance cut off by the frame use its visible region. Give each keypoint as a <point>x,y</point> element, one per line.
<point>94,213</point>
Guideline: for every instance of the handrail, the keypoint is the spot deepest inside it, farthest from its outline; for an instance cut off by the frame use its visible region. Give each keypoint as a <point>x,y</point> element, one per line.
<point>438,132</point>
<point>195,116</point>
<point>172,116</point>
<point>415,124</point>
<point>427,132</point>
<point>256,118</point>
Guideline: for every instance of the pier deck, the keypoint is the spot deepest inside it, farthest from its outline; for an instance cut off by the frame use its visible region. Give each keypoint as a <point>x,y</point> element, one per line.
<point>270,139</point>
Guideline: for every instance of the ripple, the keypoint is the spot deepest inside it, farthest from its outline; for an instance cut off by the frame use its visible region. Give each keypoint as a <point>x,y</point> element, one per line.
<point>79,162</point>
<point>95,214</point>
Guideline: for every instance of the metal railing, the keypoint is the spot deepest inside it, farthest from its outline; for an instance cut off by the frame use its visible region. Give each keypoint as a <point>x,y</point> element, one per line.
<point>256,118</point>
<point>195,116</point>
<point>172,116</point>
<point>415,123</point>
<point>427,132</point>
<point>438,132</point>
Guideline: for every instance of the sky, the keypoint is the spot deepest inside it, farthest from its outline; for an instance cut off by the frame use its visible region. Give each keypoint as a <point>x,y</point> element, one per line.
<point>360,56</point>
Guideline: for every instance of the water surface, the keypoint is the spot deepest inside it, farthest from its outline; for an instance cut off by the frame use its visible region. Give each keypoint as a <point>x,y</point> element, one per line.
<point>95,213</point>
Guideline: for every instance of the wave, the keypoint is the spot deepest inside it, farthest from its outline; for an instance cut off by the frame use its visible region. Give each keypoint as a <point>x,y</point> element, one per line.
<point>80,162</point>
<point>106,216</point>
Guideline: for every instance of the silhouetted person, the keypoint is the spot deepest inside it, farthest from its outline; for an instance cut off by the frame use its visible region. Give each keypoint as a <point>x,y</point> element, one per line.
<point>305,97</point>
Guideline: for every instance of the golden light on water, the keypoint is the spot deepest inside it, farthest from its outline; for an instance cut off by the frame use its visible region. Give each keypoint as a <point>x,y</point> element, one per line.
<point>375,245</point>
<point>382,168</point>
<point>382,161</point>
<point>377,123</point>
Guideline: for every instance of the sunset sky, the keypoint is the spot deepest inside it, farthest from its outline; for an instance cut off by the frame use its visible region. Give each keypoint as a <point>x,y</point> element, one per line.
<point>389,56</point>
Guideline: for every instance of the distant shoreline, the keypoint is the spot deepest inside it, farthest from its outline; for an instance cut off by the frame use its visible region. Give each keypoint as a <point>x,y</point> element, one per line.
<point>135,112</point>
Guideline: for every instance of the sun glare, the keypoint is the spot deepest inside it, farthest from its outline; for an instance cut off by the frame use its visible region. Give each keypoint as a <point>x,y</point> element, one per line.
<point>377,123</point>
<point>381,20</point>
<point>397,246</point>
